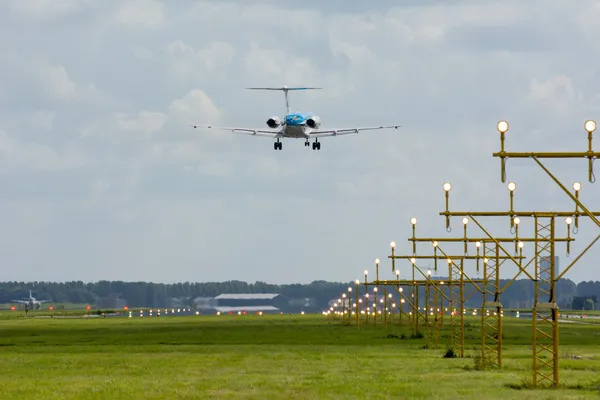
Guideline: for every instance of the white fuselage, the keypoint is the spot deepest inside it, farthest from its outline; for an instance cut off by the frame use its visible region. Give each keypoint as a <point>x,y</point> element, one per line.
<point>31,302</point>
<point>295,125</point>
<point>296,131</point>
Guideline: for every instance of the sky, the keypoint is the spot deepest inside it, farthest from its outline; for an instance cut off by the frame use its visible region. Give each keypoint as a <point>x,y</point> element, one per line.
<point>102,176</point>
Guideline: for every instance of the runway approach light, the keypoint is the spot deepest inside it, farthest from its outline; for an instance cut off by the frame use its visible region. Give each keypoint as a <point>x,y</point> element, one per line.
<point>568,220</point>
<point>590,126</point>
<point>502,126</point>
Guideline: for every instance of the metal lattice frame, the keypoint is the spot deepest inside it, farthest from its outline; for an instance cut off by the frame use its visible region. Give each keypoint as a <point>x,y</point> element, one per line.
<point>545,309</point>
<point>411,306</point>
<point>417,315</point>
<point>491,309</point>
<point>457,307</point>
<point>431,314</point>
<point>456,296</point>
<point>403,302</point>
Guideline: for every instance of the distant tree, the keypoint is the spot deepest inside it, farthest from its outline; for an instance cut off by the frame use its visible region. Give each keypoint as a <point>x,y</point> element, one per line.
<point>579,296</point>
<point>589,304</point>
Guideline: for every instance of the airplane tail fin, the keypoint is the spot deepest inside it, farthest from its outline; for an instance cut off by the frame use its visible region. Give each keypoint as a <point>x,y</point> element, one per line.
<point>285,90</point>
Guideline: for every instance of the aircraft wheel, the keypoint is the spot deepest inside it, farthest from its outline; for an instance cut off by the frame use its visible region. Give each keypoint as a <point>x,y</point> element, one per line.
<point>318,145</point>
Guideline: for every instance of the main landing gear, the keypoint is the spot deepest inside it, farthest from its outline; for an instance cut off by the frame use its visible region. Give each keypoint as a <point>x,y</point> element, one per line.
<point>316,145</point>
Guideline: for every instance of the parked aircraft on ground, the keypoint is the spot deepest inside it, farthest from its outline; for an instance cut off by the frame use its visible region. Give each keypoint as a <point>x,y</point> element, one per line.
<point>31,302</point>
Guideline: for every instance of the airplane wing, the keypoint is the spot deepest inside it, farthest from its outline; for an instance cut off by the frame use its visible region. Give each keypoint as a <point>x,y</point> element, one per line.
<point>19,301</point>
<point>247,131</point>
<point>43,301</point>
<point>336,132</point>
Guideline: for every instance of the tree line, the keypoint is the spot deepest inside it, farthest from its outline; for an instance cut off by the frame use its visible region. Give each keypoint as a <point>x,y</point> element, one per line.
<point>148,294</point>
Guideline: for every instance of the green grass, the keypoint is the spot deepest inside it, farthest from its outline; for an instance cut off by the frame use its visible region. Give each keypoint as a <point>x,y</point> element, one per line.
<point>274,357</point>
<point>565,311</point>
<point>56,306</point>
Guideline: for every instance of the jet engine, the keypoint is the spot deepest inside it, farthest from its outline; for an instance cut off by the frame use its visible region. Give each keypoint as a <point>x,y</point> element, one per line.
<point>274,122</point>
<point>313,122</point>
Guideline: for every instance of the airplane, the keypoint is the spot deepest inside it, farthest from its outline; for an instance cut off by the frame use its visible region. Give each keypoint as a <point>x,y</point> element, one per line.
<point>296,125</point>
<point>31,302</point>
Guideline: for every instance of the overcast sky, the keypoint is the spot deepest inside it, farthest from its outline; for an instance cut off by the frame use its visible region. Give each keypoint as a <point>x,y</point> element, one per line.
<point>101,176</point>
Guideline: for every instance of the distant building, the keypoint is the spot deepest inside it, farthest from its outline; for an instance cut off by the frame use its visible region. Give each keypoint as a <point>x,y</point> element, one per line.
<point>304,302</point>
<point>205,303</point>
<point>175,302</point>
<point>250,302</point>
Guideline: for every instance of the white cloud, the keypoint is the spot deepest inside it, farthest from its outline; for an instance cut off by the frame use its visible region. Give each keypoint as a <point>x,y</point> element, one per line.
<point>215,168</point>
<point>55,82</point>
<point>196,106</point>
<point>143,53</point>
<point>278,66</point>
<point>268,165</point>
<point>43,9</point>
<point>145,121</point>
<point>144,13</point>
<point>206,62</point>
<point>18,155</point>
<point>556,94</point>
<point>96,129</point>
<point>99,187</point>
<point>43,120</point>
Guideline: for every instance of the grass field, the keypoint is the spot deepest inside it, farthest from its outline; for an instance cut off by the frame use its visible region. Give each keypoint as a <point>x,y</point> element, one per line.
<point>272,357</point>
